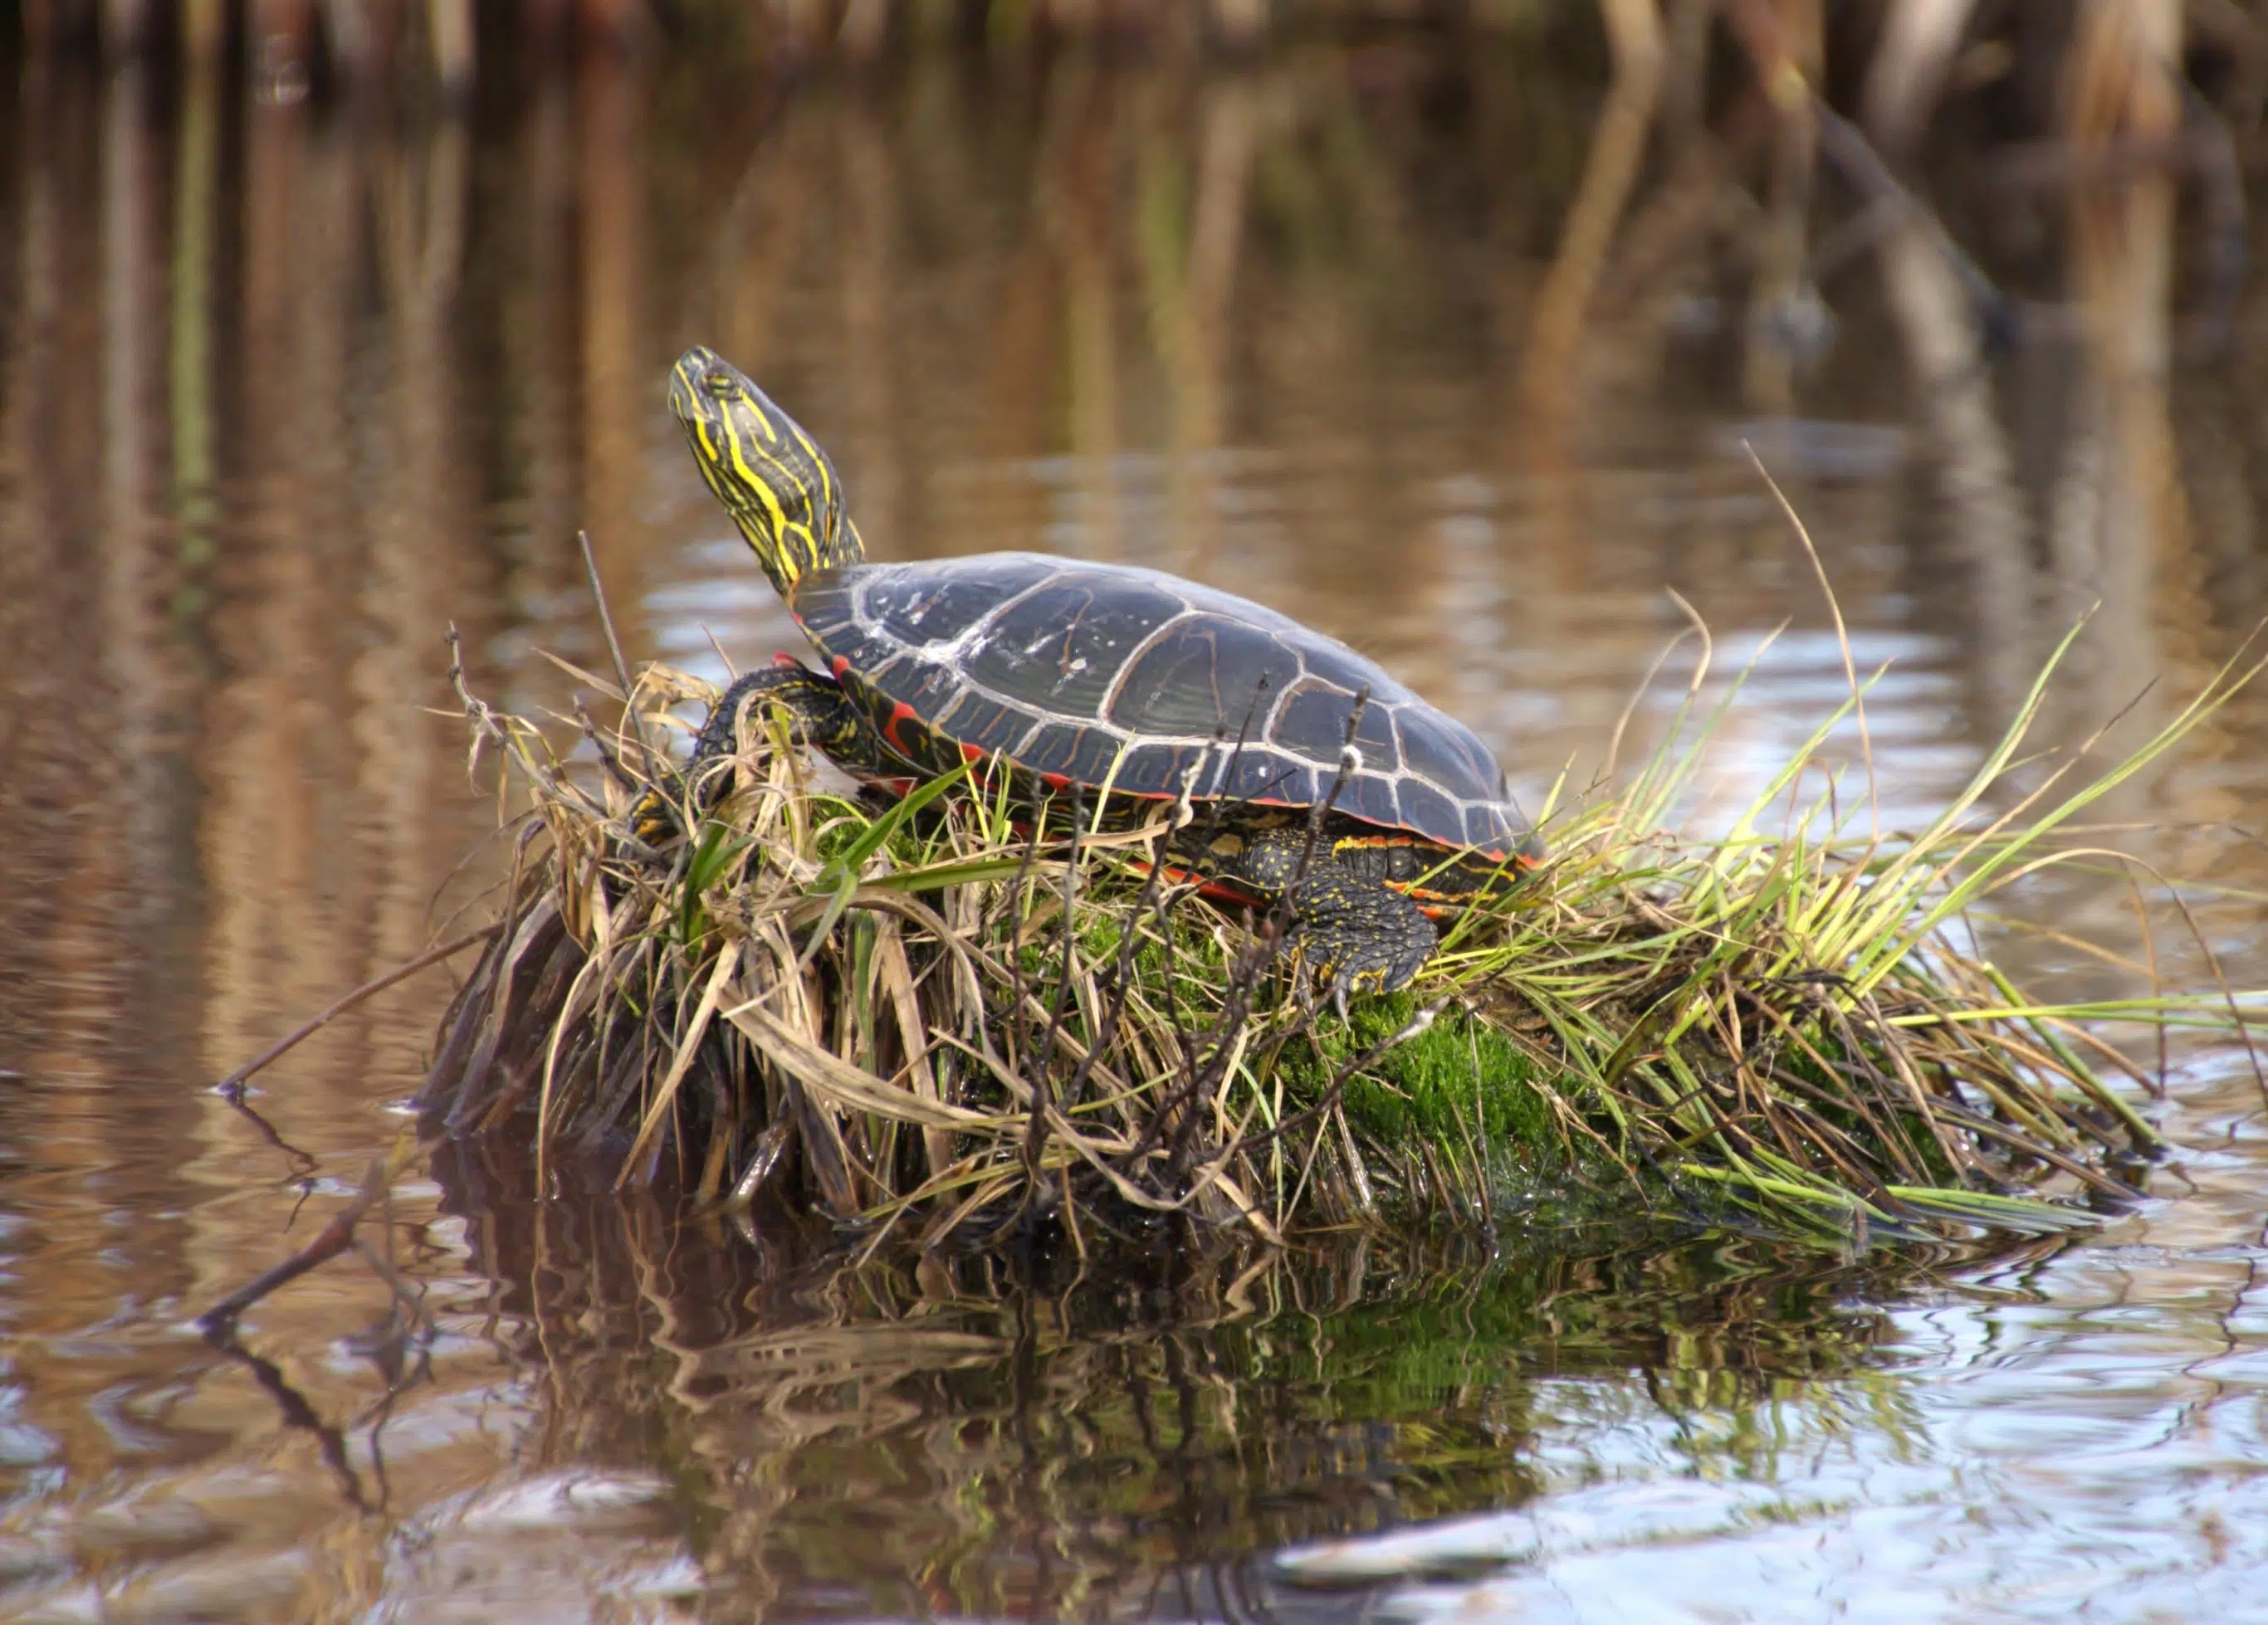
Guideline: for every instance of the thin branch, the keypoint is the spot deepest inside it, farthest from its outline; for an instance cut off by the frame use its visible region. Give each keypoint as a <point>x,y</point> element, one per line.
<point>231,1087</point>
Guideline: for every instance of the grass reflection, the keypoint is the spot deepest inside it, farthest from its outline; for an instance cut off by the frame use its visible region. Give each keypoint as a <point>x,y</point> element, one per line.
<point>974,1435</point>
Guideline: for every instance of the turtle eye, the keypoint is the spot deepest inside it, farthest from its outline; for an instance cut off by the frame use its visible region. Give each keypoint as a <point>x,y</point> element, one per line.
<point>723,385</point>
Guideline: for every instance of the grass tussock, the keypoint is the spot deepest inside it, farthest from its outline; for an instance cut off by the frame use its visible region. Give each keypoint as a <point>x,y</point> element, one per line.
<point>923,1017</point>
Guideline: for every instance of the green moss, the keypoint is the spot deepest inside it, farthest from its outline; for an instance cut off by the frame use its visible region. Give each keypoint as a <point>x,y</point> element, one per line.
<point>1456,1076</point>
<point>1457,1081</point>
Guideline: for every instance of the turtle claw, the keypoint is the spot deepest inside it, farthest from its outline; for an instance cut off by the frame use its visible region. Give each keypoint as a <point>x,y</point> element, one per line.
<point>1367,966</point>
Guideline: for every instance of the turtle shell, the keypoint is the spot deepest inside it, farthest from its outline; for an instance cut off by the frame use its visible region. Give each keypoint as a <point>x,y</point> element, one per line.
<point>1090,673</point>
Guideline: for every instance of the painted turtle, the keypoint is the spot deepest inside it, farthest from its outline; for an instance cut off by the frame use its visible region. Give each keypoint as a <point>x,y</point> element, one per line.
<point>1105,675</point>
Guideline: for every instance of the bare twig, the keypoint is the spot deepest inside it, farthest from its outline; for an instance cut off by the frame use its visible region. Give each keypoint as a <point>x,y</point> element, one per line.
<point>231,1087</point>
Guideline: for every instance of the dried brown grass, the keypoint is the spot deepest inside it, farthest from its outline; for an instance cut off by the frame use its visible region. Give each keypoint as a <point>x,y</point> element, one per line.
<point>926,1020</point>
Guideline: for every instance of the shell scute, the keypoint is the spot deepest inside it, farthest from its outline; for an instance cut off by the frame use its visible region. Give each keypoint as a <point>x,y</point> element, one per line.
<point>924,609</point>
<point>1426,808</point>
<point>1096,674</point>
<point>1204,674</point>
<point>1372,798</point>
<point>1062,645</point>
<point>1447,755</point>
<point>993,725</point>
<point>1257,774</point>
<point>1312,722</point>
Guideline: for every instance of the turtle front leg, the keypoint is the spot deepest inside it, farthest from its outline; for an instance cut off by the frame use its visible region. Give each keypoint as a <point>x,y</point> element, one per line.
<point>1355,934</point>
<point>820,714</point>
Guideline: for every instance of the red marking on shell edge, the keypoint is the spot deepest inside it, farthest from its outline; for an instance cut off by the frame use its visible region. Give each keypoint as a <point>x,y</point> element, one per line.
<point>1219,890</point>
<point>1055,780</point>
<point>1393,836</point>
<point>972,753</point>
<point>1226,891</point>
<point>841,664</point>
<point>901,713</point>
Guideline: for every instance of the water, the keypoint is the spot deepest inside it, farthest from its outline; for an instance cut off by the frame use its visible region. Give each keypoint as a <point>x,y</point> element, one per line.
<point>288,388</point>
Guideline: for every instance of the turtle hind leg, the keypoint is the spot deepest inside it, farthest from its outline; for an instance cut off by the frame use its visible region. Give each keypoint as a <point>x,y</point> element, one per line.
<point>1355,934</point>
<point>820,714</point>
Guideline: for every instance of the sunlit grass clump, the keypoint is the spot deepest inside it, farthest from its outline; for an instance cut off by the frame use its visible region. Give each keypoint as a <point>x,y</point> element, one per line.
<point>921,1015</point>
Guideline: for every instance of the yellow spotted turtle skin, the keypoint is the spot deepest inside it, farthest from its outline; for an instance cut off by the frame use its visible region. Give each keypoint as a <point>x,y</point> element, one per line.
<point>1101,676</point>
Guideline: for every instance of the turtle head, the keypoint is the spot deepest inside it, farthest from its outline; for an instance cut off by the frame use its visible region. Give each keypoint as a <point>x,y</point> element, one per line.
<point>772,478</point>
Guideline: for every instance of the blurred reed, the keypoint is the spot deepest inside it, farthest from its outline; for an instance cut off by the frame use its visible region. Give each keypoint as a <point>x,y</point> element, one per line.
<point>1905,56</point>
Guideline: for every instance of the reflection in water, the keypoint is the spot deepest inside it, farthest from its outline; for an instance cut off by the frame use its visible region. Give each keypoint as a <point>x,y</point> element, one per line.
<point>288,385</point>
<point>1053,1437</point>
<point>975,1436</point>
